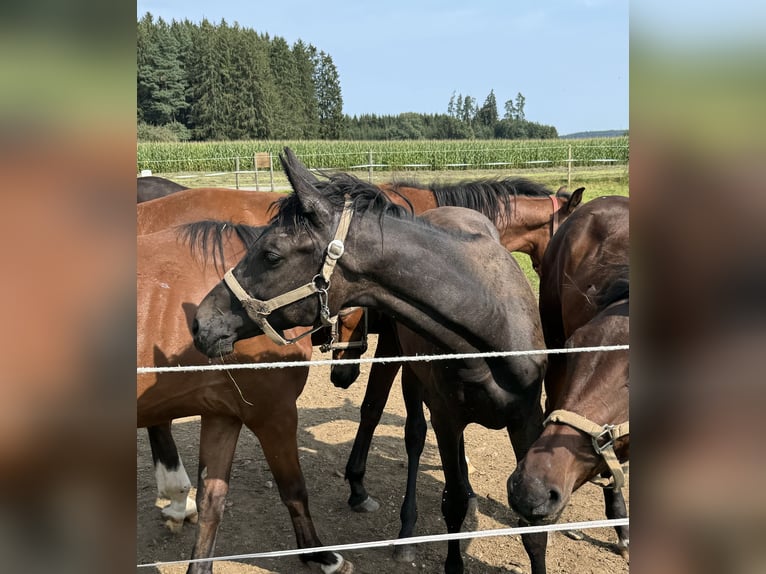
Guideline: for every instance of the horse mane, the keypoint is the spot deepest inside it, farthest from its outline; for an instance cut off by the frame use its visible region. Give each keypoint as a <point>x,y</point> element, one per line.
<point>616,289</point>
<point>206,238</point>
<point>364,196</point>
<point>487,196</point>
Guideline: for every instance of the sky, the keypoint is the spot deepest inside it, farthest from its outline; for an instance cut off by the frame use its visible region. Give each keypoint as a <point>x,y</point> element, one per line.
<point>569,58</point>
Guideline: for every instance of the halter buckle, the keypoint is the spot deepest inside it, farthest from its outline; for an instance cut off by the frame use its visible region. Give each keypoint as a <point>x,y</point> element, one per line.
<point>608,434</point>
<point>335,249</point>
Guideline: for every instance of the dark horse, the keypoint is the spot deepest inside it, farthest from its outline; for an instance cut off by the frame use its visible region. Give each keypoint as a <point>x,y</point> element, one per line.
<point>526,215</point>
<point>444,277</point>
<point>584,302</point>
<point>152,187</point>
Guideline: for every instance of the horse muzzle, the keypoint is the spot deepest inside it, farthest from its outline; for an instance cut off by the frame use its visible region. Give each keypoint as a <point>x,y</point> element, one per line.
<point>537,500</point>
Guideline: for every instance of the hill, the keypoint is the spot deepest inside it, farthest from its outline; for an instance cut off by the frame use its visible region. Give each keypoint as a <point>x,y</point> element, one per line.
<point>597,134</point>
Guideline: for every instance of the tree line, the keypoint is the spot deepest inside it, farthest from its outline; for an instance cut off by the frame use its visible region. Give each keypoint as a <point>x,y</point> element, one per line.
<point>223,82</point>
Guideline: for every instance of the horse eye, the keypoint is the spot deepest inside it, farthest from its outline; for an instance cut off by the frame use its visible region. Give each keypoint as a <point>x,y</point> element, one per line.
<point>272,258</point>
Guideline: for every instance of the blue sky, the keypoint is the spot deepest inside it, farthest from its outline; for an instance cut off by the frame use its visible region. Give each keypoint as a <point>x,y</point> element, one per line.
<point>569,58</point>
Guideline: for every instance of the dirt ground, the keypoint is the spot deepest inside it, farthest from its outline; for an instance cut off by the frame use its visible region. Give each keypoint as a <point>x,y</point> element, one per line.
<point>256,521</point>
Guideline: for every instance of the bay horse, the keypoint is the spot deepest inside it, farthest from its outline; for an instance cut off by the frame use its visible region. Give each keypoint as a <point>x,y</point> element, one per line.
<point>449,284</point>
<point>526,215</point>
<point>584,301</point>
<point>187,206</point>
<point>171,277</point>
<point>152,186</point>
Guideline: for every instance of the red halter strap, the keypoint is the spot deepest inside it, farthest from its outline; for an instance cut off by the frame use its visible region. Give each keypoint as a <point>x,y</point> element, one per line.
<point>555,220</point>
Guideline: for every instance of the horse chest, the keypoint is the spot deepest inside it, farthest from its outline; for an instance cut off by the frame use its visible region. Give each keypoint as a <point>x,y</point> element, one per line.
<point>469,395</point>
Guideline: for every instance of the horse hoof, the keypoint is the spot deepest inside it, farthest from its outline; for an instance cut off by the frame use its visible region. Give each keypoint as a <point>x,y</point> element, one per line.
<point>345,567</point>
<point>404,553</point>
<point>175,526</point>
<point>367,505</point>
<point>623,550</point>
<point>574,534</point>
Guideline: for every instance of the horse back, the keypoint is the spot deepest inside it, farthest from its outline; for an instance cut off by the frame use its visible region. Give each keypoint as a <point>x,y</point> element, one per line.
<point>197,204</point>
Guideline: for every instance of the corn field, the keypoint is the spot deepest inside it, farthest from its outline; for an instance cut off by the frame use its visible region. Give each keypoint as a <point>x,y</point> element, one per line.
<point>347,155</point>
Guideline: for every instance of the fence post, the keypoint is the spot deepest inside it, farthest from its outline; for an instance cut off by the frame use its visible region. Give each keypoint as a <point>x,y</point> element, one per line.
<point>255,169</point>
<point>271,170</point>
<point>569,168</point>
<point>236,172</point>
<point>369,165</point>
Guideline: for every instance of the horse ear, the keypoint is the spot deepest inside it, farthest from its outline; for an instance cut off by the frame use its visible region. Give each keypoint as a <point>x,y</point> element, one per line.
<point>573,199</point>
<point>303,183</point>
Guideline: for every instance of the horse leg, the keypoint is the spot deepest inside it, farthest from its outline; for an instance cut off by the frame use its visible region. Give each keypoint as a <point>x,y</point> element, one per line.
<point>472,503</point>
<point>615,505</point>
<point>381,379</point>
<point>278,438</point>
<point>522,435</point>
<point>171,477</point>
<point>218,441</point>
<point>455,494</point>
<point>415,429</point>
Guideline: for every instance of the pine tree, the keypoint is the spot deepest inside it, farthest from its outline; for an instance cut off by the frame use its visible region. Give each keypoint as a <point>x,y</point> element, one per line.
<point>329,98</point>
<point>307,114</point>
<point>287,118</point>
<point>487,114</point>
<point>161,85</point>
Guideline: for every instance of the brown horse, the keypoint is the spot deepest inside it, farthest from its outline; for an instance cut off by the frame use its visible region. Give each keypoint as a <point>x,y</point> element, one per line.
<point>172,210</point>
<point>170,279</point>
<point>584,301</point>
<point>526,215</point>
<point>152,187</point>
<point>448,281</point>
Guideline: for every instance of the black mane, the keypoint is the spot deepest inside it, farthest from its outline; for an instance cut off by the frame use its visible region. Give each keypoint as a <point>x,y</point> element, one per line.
<point>365,197</point>
<point>617,289</point>
<point>486,196</point>
<point>206,238</point>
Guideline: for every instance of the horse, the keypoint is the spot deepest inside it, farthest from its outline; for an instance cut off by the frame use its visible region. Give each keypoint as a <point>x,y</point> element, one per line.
<point>526,214</point>
<point>151,187</point>
<point>450,285</point>
<point>584,301</point>
<point>187,206</point>
<point>171,276</point>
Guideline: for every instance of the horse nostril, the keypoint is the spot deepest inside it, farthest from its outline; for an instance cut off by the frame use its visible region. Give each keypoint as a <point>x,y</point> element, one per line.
<point>195,327</point>
<point>554,496</point>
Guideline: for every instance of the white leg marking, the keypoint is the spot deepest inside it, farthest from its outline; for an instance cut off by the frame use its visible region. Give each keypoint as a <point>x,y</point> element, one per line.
<point>175,485</point>
<point>333,568</point>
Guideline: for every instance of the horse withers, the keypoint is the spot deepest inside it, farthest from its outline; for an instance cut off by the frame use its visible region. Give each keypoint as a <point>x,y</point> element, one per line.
<point>345,244</point>
<point>584,302</point>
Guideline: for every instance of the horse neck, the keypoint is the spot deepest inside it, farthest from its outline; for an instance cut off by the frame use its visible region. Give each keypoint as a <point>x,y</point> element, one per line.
<point>440,286</point>
<point>197,204</point>
<point>592,376</point>
<point>528,227</point>
<point>421,199</point>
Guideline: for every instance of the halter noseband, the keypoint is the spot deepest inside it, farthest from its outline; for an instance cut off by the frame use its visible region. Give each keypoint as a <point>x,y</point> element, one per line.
<point>603,437</point>
<point>259,310</point>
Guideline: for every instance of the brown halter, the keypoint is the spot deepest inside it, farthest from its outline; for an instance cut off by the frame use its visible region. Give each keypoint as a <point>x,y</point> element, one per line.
<point>555,218</point>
